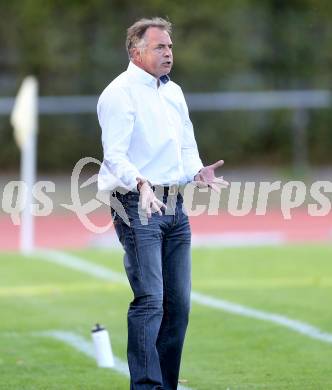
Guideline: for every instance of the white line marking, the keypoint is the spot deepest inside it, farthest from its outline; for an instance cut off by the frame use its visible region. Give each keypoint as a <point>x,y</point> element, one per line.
<point>239,239</point>
<point>79,264</point>
<point>224,240</point>
<point>86,347</point>
<point>82,345</point>
<point>234,308</point>
<point>99,271</point>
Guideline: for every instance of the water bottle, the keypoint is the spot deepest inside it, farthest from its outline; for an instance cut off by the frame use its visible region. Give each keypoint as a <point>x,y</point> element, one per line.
<point>102,346</point>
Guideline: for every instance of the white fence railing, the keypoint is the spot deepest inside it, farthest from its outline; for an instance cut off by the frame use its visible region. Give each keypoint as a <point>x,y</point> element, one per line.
<point>218,101</point>
<point>298,101</point>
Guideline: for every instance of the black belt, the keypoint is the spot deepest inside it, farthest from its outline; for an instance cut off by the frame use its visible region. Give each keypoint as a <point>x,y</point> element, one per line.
<point>158,189</point>
<point>166,190</point>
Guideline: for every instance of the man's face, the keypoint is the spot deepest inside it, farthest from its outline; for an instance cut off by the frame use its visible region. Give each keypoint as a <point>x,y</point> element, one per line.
<point>156,56</point>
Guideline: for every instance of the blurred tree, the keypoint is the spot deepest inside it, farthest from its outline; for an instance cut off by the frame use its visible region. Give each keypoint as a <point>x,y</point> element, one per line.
<point>77,47</point>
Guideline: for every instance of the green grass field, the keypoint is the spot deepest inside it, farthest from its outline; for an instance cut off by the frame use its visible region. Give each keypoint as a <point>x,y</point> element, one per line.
<point>222,350</point>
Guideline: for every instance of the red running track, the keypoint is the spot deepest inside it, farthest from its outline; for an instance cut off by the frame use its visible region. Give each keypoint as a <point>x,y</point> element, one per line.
<point>66,231</point>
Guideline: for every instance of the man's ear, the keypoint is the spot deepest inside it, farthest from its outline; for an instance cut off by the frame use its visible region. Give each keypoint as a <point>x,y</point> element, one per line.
<point>136,55</point>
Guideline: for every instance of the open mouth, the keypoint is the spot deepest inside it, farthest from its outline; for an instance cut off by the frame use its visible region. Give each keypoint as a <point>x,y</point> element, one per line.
<point>167,63</point>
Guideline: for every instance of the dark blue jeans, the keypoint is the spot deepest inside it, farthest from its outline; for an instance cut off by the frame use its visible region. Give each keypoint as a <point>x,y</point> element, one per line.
<point>158,265</point>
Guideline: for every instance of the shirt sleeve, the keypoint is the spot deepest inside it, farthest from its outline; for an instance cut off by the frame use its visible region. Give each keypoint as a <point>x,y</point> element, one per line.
<point>189,151</point>
<point>116,117</point>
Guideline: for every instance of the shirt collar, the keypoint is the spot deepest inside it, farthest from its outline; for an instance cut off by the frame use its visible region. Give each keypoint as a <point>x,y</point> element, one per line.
<point>164,79</point>
<point>144,77</point>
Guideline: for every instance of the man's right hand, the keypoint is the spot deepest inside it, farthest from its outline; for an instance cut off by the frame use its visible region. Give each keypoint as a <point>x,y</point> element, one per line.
<point>149,202</point>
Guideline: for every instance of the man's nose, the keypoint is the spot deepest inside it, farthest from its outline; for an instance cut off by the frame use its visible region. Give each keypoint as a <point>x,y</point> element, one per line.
<point>168,52</point>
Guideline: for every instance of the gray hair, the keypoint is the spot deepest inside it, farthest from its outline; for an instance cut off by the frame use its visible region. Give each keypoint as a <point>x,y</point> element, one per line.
<point>135,33</point>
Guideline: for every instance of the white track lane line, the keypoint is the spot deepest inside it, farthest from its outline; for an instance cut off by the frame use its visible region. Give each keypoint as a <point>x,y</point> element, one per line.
<point>220,240</point>
<point>105,273</point>
<point>86,347</point>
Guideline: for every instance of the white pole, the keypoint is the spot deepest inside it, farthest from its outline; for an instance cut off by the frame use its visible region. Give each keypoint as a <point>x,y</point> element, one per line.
<point>28,176</point>
<point>24,119</point>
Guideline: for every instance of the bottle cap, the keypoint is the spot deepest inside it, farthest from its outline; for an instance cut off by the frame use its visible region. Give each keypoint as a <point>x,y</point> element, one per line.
<point>97,328</point>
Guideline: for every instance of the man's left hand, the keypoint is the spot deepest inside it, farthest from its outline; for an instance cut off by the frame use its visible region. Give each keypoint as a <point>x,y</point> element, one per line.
<point>207,178</point>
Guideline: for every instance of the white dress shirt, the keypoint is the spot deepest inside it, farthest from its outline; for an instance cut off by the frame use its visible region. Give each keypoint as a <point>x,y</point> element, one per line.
<point>146,132</point>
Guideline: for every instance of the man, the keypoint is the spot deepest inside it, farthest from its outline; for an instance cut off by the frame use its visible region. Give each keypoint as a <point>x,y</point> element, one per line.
<point>149,147</point>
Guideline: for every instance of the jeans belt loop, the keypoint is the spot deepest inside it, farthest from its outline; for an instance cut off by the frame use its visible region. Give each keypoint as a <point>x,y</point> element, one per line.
<point>173,189</point>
